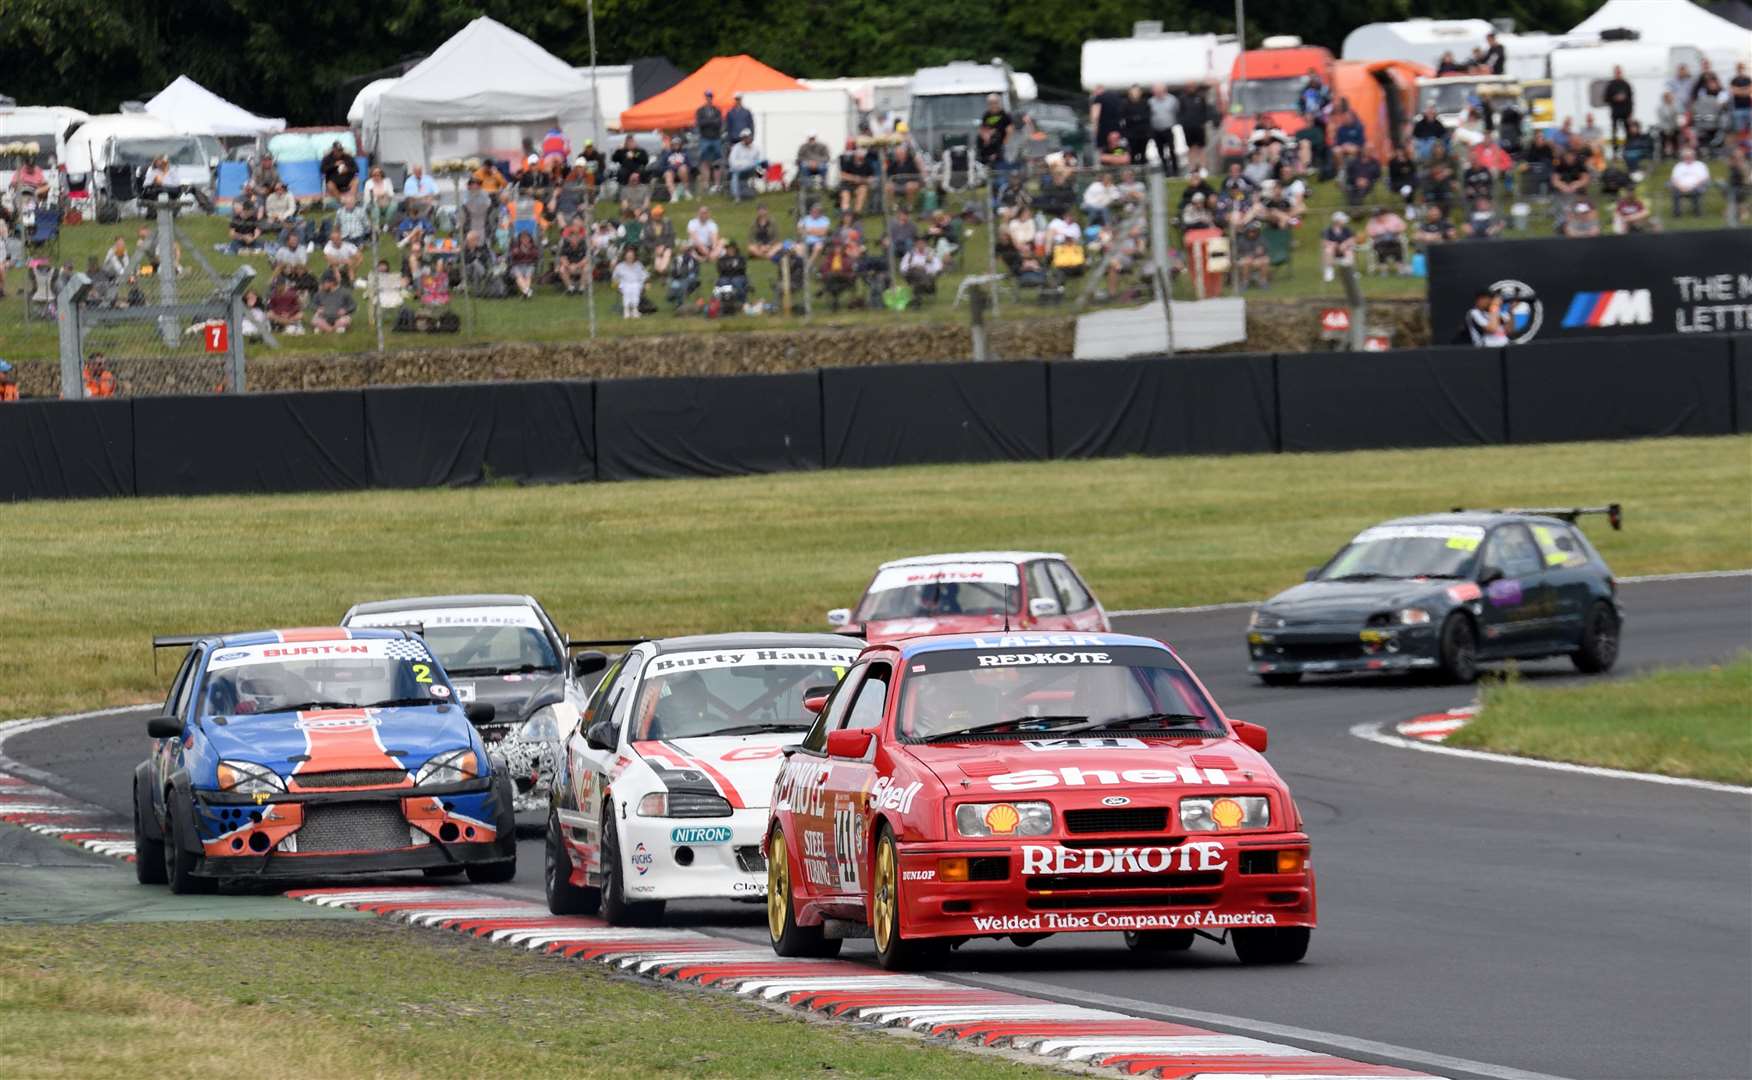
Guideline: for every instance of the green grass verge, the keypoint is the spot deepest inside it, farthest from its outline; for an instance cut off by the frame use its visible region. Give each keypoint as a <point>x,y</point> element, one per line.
<point>358,999</point>
<point>89,582</point>
<point>1678,722</point>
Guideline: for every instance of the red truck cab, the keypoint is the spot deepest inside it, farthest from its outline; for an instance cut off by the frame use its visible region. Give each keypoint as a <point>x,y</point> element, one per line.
<point>1268,82</point>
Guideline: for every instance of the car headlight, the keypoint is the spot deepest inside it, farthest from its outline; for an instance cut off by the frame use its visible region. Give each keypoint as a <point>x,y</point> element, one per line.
<point>450,767</point>
<point>683,804</point>
<point>248,778</point>
<point>1004,819</point>
<point>541,727</point>
<point>1412,616</point>
<point>1264,620</point>
<point>1222,812</point>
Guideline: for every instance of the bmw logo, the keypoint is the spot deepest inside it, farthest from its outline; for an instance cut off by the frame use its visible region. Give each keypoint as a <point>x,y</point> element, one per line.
<point>1116,800</point>
<point>1522,305</point>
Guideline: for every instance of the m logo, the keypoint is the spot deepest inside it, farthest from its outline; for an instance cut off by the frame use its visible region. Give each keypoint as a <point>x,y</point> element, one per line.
<point>1614,307</point>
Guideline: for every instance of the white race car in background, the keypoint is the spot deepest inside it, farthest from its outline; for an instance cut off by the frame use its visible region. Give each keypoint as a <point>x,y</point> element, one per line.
<point>502,650</point>
<point>664,785</point>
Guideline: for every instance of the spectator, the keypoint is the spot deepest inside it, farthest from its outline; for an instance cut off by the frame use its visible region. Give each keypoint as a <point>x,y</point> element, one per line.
<point>812,162</point>
<point>1486,323</point>
<point>1114,152</point>
<point>341,257</point>
<point>1632,215</point>
<point>1360,181</point>
<point>255,315</point>
<point>684,278</point>
<point>332,310</point>
<point>1347,140</point>
<point>901,234</point>
<point>1197,213</point>
<point>379,196</point>
<point>1257,170</point>
<point>660,241</point>
<point>353,220</point>
<point>1104,110</point>
<point>279,207</point>
<point>1447,65</point>
<point>555,146</point>
<point>1582,220</point>
<point>1195,119</point>
<point>413,263</point>
<point>629,279</point>
<point>1439,179</point>
<point>285,306</point>
<point>631,162</point>
<point>1097,197</point>
<point>850,235</point>
<point>1252,257</point>
<point>1402,173</point>
<point>920,267</point>
<point>1338,245</point>
<point>1614,177</point>
<point>1235,184</point>
<point>1669,125</point>
<point>492,181</point>
<point>732,275</point>
<point>1477,181</point>
<point>994,131</point>
<point>1709,113</point>
<point>477,267</point>
<point>418,189</point>
<point>1593,140</point>
<point>857,176</point>
<point>635,195</point>
<point>524,259</point>
<point>839,272</point>
<point>8,383</point>
<point>703,241</point>
<point>1739,184</point>
<point>1277,206</point>
<point>115,260</point>
<point>100,381</point>
<point>744,164</point>
<point>678,170</point>
<point>1428,132</point>
<point>245,227</point>
<point>265,177</point>
<point>1314,99</point>
<point>1491,155</point>
<point>434,295</point>
<point>1386,233</point>
<point>1434,228</point>
<point>739,118</point>
<point>1493,58</point>
<point>905,177</point>
<point>763,234</point>
<point>1740,99</point>
<point>30,178</point>
<point>1571,178</point>
<point>478,210</point>
<point>1620,102</point>
<point>572,262</point>
<point>1639,145</point>
<point>292,260</point>
<point>1511,126</point>
<point>595,167</point>
<point>1688,181</point>
<point>340,172</point>
<point>1483,223</point>
<point>814,228</point>
<point>709,129</point>
<point>1164,117</point>
<point>1134,123</point>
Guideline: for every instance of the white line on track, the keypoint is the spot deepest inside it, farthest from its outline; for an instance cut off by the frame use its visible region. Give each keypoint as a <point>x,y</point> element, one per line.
<point>1372,732</point>
<point>1398,1054</point>
<point>1242,605</point>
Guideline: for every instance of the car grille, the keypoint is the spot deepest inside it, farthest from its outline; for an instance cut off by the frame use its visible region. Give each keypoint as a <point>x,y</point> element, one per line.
<point>749,859</point>
<point>359,826</point>
<point>352,778</point>
<point>1317,651</point>
<point>697,804</point>
<point>1136,819</point>
<point>988,868</point>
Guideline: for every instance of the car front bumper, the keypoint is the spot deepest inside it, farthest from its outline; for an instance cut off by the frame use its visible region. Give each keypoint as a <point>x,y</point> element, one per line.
<point>1219,889</point>
<point>695,858</point>
<point>1343,649</point>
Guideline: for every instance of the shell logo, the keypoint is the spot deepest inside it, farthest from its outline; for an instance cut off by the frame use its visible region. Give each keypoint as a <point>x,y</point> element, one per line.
<point>1002,819</point>
<point>1226,813</point>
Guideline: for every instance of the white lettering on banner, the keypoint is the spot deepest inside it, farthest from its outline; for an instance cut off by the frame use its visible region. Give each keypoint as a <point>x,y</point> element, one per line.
<point>1419,532</point>
<point>1072,776</point>
<point>902,577</point>
<point>886,795</point>
<point>702,661</point>
<point>1043,745</point>
<point>361,649</point>
<point>1039,859</point>
<point>1027,659</point>
<point>502,615</point>
<point>1036,641</point>
<point>1719,302</point>
<point>1117,920</point>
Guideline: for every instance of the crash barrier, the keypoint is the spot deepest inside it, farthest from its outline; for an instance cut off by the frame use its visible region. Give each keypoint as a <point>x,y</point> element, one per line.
<point>1692,283</point>
<point>624,429</point>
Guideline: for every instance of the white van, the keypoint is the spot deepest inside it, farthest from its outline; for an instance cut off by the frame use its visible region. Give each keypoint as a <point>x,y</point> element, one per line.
<point>48,126</point>
<point>133,140</point>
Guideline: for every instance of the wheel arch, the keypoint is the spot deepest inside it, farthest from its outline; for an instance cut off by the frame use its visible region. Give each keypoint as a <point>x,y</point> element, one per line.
<point>145,808</point>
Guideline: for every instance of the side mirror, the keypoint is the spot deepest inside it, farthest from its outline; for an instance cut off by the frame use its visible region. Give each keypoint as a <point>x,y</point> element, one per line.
<point>815,702</point>
<point>1043,606</point>
<point>1490,574</point>
<point>848,743</point>
<point>600,736</point>
<point>164,727</point>
<point>479,713</point>
<point>1312,573</point>
<point>1251,734</point>
<point>839,616</point>
<point>588,662</point>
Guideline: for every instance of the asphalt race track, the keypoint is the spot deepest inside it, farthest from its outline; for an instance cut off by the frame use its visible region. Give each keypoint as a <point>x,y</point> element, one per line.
<point>1542,922</point>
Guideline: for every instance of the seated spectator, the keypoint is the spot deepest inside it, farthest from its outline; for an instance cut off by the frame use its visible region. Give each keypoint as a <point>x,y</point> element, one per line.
<point>341,257</point>
<point>279,207</point>
<point>944,233</point>
<point>839,272</point>
<point>1615,177</point>
<point>1129,192</point>
<point>901,233</point>
<point>1114,153</point>
<point>30,178</point>
<point>1486,322</point>
<point>1348,140</point>
<point>292,260</point>
<point>1197,214</point>
<point>635,195</point>
<point>732,276</point>
<point>905,177</point>
<point>524,261</point>
<point>1274,207</point>
<point>1483,223</point>
<point>572,262</point>
<point>478,211</point>
<point>416,218</point>
<point>340,172</point>
<point>1252,258</point>
<point>285,306</point>
<point>1435,228</point>
<point>1360,179</point>
<point>1631,215</point>
<point>413,263</point>
<point>434,295</point>
<point>1125,251</point>
<point>1581,220</point>
<point>245,227</point>
<point>857,176</point>
<point>1478,181</point>
<point>744,164</point>
<point>353,220</point>
<point>1438,178</point>
<point>379,196</point>
<point>763,234</point>
<point>1538,164</point>
<point>850,235</point>
<point>684,278</point>
<point>812,161</point>
<point>703,240</point>
<point>478,267</point>
<point>1097,197</point>
<point>1257,170</point>
<point>1338,246</point>
<point>629,279</point>
<point>418,190</point>
<point>814,229</point>
<point>1427,133</point>
<point>255,315</point>
<point>332,309</point>
<point>1571,177</point>
<point>1688,181</point>
<point>1710,117</point>
<point>265,175</point>
<point>1639,145</point>
<point>1313,155</point>
<point>630,161</point>
<point>1386,232</point>
<point>492,181</point>
<point>1236,184</point>
<point>678,170</point>
<point>659,240</point>
<point>589,168</point>
<point>920,267</point>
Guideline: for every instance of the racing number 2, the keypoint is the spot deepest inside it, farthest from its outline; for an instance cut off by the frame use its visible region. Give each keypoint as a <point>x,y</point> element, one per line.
<point>422,673</point>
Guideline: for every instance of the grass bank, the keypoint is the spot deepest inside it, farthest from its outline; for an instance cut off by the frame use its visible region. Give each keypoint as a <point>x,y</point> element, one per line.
<point>367,999</point>
<point>1678,722</point>
<point>90,582</point>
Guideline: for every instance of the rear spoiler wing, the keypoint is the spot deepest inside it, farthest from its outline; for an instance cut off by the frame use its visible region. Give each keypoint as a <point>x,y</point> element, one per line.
<point>1614,513</point>
<point>172,641</point>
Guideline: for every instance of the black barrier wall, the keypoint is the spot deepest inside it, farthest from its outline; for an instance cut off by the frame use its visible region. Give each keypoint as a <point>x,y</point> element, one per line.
<point>565,431</point>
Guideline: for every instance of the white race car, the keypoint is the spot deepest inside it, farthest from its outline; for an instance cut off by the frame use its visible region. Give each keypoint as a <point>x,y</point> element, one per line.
<point>664,784</point>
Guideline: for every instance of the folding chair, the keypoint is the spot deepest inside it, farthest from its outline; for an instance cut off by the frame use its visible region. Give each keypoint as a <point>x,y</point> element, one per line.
<point>46,228</point>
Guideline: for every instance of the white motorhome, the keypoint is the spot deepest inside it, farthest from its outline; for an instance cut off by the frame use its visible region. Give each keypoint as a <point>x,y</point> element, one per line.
<point>133,140</point>
<point>878,95</point>
<point>948,101</point>
<point>783,119</point>
<point>46,126</point>
<point>1423,41</point>
<point>1579,77</point>
<point>1152,55</point>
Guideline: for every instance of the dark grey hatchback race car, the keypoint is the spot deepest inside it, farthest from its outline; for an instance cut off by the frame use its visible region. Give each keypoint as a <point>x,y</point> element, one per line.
<point>1443,593</point>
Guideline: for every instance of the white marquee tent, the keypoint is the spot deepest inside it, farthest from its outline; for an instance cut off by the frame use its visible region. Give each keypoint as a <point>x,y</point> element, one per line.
<point>192,109</point>
<point>1676,22</point>
<point>482,92</point>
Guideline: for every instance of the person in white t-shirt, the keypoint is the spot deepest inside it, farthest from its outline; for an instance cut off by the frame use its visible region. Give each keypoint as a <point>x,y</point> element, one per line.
<point>342,256</point>
<point>703,241</point>
<point>1097,197</point>
<point>1690,179</point>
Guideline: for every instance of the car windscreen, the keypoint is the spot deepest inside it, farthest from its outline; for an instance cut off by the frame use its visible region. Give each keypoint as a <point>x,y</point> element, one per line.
<point>498,639</point>
<point>947,112</point>
<point>936,590</point>
<point>1071,683</point>
<point>746,691</point>
<point>138,152</point>
<point>339,674</point>
<point>1406,551</point>
<point>1446,98</point>
<point>1252,96</point>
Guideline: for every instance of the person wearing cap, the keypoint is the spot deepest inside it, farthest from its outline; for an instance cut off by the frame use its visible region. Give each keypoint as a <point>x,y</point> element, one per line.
<point>812,160</point>
<point>739,119</point>
<point>340,172</point>
<point>709,127</point>
<point>8,383</point>
<point>744,164</point>
<point>1338,245</point>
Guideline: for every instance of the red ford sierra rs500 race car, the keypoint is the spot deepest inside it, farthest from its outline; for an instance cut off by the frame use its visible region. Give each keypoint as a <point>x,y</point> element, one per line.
<point>1025,784</point>
<point>971,591</point>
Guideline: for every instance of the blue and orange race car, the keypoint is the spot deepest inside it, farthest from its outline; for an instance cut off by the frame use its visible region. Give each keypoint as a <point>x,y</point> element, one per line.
<point>304,753</point>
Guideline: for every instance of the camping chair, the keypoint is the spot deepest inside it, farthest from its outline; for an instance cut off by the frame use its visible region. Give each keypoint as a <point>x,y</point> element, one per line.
<point>42,293</point>
<point>46,229</point>
<point>1278,245</point>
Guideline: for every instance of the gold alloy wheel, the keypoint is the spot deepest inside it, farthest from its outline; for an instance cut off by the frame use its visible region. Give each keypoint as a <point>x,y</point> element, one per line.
<point>886,923</point>
<point>778,886</point>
